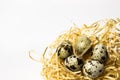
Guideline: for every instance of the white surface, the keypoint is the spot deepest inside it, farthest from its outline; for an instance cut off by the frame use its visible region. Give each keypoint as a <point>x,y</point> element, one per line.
<point>33,24</point>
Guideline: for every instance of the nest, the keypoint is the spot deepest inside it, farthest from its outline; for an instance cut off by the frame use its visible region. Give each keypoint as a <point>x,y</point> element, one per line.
<point>105,31</point>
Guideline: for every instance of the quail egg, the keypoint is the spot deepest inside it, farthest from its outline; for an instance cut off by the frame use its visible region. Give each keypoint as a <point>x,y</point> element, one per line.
<point>82,44</point>
<point>100,53</point>
<point>64,49</point>
<point>73,63</point>
<point>92,68</point>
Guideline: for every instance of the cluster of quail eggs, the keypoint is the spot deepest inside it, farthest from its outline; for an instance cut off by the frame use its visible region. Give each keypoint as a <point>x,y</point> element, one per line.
<point>92,67</point>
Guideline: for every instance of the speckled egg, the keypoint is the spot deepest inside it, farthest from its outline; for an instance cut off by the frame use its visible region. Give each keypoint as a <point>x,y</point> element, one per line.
<point>93,68</point>
<point>65,49</point>
<point>73,63</point>
<point>100,53</point>
<point>82,44</point>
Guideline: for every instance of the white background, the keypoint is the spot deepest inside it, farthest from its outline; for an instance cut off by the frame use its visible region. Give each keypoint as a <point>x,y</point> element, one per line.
<point>33,24</point>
